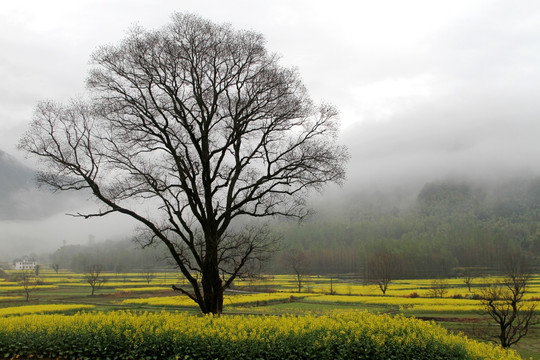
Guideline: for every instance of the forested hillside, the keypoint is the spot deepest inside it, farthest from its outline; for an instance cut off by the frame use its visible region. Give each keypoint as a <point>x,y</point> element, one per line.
<point>119,256</point>
<point>451,224</point>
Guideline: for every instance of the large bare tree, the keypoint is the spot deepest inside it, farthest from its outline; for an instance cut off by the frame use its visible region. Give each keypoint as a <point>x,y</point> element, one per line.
<point>505,303</point>
<point>204,126</point>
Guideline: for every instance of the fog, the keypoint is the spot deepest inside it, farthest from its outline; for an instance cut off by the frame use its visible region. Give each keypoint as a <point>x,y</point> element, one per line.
<point>426,91</point>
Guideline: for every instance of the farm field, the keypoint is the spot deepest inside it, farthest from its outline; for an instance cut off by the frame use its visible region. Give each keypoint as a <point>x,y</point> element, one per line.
<point>333,298</point>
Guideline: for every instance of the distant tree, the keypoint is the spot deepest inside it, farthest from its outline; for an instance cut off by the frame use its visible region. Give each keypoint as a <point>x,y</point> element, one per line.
<point>299,262</point>
<point>468,277</point>
<point>148,274</point>
<point>439,288</point>
<point>55,267</point>
<point>332,292</point>
<point>36,269</point>
<point>119,268</point>
<point>94,277</point>
<point>504,303</point>
<point>206,126</point>
<point>29,281</point>
<point>383,267</point>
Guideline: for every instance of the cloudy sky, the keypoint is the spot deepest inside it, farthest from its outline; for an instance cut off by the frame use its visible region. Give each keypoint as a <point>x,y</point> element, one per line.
<point>426,89</point>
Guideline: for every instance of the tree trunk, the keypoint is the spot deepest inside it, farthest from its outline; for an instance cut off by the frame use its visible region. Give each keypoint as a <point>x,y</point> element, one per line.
<point>212,291</point>
<point>503,337</point>
<point>211,280</point>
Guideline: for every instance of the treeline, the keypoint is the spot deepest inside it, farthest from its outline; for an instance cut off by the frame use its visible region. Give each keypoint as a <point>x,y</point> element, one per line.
<point>451,225</point>
<point>117,256</point>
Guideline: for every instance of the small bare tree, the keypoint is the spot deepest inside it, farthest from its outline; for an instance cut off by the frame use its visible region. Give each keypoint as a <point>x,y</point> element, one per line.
<point>504,303</point>
<point>37,268</point>
<point>29,281</point>
<point>94,277</point>
<point>439,288</point>
<point>383,267</point>
<point>55,267</point>
<point>332,292</point>
<point>468,277</point>
<point>148,274</point>
<point>299,263</point>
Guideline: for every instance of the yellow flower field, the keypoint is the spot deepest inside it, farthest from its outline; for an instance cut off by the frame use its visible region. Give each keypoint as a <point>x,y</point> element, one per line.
<point>337,335</point>
<point>106,284</point>
<point>437,304</point>
<point>244,299</point>
<point>144,289</point>
<point>21,288</point>
<point>31,309</point>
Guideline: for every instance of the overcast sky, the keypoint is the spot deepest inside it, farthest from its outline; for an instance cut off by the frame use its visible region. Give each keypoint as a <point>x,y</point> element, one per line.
<point>426,89</point>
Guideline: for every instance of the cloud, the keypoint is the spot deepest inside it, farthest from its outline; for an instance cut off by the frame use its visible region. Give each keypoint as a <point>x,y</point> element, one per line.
<point>467,134</point>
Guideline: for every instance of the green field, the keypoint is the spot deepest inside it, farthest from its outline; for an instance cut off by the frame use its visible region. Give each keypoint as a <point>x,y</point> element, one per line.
<point>457,311</point>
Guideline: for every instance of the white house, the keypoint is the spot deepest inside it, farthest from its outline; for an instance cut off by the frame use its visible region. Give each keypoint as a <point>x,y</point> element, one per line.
<point>25,263</point>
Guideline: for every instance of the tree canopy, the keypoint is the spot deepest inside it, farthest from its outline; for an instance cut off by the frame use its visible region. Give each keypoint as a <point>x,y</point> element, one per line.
<point>201,124</point>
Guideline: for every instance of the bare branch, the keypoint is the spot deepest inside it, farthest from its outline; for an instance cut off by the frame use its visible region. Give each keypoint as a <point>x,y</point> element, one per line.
<point>203,126</point>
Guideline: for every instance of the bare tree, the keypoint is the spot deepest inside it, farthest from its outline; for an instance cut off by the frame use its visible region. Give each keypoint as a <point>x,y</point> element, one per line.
<point>29,281</point>
<point>55,267</point>
<point>439,288</point>
<point>468,278</point>
<point>504,302</point>
<point>332,292</point>
<point>383,267</point>
<point>94,277</point>
<point>299,262</point>
<point>148,274</point>
<point>200,122</point>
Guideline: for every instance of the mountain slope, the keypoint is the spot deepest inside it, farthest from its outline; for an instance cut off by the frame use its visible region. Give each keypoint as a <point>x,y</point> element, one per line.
<point>19,197</point>
<point>15,182</point>
<point>13,175</point>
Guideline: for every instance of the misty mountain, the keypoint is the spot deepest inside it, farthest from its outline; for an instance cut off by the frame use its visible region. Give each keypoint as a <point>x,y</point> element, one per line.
<point>20,198</point>
<point>452,223</point>
<point>15,184</point>
<point>13,175</point>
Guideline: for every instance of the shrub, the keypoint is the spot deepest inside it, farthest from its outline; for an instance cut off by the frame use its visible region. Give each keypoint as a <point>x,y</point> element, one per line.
<point>412,295</point>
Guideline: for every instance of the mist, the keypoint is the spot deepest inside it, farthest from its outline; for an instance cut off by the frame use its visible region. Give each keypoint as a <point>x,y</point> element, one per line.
<point>426,92</point>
